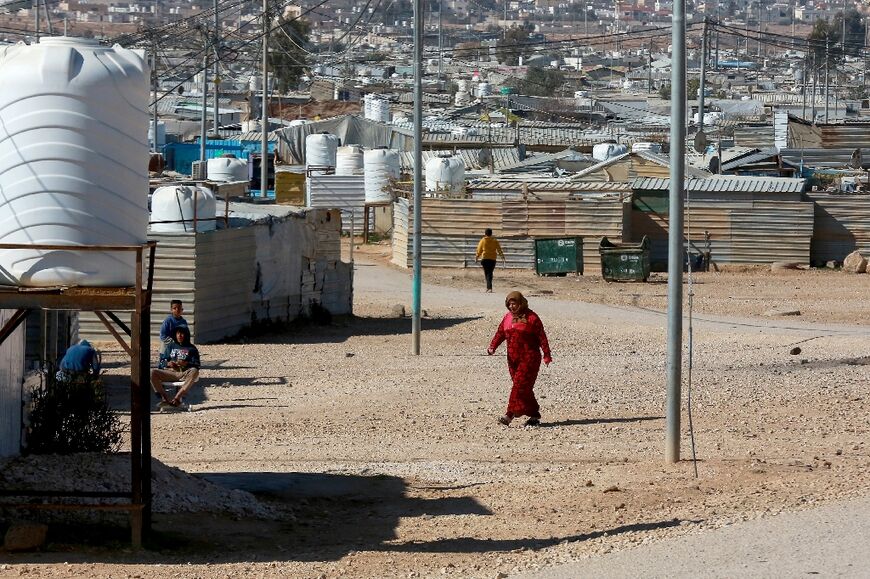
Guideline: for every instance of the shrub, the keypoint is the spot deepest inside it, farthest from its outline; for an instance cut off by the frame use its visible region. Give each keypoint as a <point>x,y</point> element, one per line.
<point>71,415</point>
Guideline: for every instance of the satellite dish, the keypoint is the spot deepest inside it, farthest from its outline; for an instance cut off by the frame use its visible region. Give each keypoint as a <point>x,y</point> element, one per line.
<point>700,142</point>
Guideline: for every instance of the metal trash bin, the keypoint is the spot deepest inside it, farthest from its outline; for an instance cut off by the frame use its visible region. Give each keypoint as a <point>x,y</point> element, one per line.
<point>558,255</point>
<point>626,261</point>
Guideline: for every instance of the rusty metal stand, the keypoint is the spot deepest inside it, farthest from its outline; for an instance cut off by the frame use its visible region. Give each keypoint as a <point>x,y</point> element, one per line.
<point>103,301</point>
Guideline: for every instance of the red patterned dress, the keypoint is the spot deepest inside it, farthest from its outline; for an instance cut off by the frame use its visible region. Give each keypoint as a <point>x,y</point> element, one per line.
<point>525,340</point>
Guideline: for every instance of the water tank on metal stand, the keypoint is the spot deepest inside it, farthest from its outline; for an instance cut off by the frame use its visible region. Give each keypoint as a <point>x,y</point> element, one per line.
<point>320,151</point>
<point>176,208</point>
<point>74,160</point>
<point>445,174</point>
<point>349,160</point>
<point>381,165</point>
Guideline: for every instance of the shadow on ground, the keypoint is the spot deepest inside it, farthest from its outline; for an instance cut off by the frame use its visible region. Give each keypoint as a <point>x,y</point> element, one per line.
<point>325,518</point>
<point>586,421</point>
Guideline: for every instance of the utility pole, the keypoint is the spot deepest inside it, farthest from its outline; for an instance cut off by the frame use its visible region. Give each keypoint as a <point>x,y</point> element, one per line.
<point>216,79</point>
<point>815,83</point>
<point>675,230</point>
<point>649,70</point>
<point>440,41</point>
<point>702,87</point>
<point>417,281</point>
<point>264,113</point>
<point>827,86</point>
<point>204,103</point>
<point>154,87</point>
<point>804,88</point>
<point>36,21</point>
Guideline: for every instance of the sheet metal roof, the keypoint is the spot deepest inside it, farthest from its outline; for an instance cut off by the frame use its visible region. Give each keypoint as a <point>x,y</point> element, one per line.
<point>729,184</point>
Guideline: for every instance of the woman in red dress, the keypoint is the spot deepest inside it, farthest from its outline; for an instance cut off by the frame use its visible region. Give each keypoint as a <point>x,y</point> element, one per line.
<point>524,332</point>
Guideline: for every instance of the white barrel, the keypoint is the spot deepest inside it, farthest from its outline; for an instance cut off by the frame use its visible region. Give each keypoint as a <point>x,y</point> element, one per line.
<point>73,159</point>
<point>445,174</point>
<point>320,150</point>
<point>380,166</point>
<point>484,89</point>
<point>462,85</point>
<point>227,169</point>
<point>172,209</point>
<point>349,160</point>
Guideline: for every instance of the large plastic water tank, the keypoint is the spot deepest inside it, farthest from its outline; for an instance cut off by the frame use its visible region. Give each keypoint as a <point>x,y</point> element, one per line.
<point>484,89</point>
<point>73,159</point>
<point>381,165</point>
<point>462,85</point>
<point>173,209</point>
<point>161,135</point>
<point>227,169</point>
<point>604,151</point>
<point>349,160</point>
<point>445,174</point>
<point>320,150</point>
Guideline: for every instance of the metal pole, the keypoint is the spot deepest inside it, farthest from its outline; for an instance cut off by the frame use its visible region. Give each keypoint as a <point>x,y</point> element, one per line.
<point>264,113</point>
<point>204,104</point>
<point>675,230</point>
<point>827,86</point>
<point>804,91</point>
<point>701,87</point>
<point>216,79</point>
<point>649,70</point>
<point>154,86</point>
<point>418,173</point>
<point>36,19</point>
<point>440,41</point>
<point>815,83</point>
<point>586,21</point>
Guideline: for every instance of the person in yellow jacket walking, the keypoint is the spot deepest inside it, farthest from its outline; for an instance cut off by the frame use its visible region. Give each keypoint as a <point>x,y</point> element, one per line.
<point>488,250</point>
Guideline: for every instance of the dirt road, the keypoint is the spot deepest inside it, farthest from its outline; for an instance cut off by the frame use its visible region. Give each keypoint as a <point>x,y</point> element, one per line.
<point>384,464</point>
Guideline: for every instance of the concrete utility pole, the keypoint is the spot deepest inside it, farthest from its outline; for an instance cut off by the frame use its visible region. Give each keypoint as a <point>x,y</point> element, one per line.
<point>804,88</point>
<point>264,113</point>
<point>649,70</point>
<point>675,230</point>
<point>417,281</point>
<point>216,79</point>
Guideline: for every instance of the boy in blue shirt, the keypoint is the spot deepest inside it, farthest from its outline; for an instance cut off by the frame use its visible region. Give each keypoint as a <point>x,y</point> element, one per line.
<point>80,363</point>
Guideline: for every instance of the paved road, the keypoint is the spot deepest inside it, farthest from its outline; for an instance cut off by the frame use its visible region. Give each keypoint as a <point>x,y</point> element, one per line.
<point>829,541</point>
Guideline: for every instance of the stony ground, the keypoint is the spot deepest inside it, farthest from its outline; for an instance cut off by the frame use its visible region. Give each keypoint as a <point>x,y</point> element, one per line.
<point>377,463</point>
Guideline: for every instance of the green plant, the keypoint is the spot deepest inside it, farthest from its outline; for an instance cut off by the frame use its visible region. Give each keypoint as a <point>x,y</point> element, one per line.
<point>71,415</point>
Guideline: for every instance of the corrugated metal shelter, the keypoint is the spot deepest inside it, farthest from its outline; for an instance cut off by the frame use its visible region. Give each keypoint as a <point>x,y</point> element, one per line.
<point>805,135</point>
<point>749,220</point>
<point>11,378</point>
<point>345,192</point>
<point>453,227</point>
<point>269,271</point>
<point>842,225</point>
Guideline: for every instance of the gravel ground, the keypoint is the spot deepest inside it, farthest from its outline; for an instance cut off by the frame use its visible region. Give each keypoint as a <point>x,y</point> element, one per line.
<point>386,464</point>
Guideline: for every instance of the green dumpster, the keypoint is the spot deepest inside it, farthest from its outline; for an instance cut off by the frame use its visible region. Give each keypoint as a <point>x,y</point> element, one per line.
<point>558,255</point>
<point>626,261</point>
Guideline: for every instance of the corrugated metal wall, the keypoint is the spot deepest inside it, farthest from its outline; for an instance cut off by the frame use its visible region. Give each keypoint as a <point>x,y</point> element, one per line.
<point>230,279</point>
<point>741,231</point>
<point>842,225</point>
<point>345,192</point>
<point>11,377</point>
<point>452,228</point>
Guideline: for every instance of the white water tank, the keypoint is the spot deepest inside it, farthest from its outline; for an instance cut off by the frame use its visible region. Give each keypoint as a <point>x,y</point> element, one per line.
<point>227,169</point>
<point>376,108</point>
<point>484,89</point>
<point>380,166</point>
<point>73,159</point>
<point>251,126</point>
<point>445,174</point>
<point>605,151</point>
<point>462,85</point>
<point>320,150</point>
<point>161,135</point>
<point>349,160</point>
<point>173,209</point>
